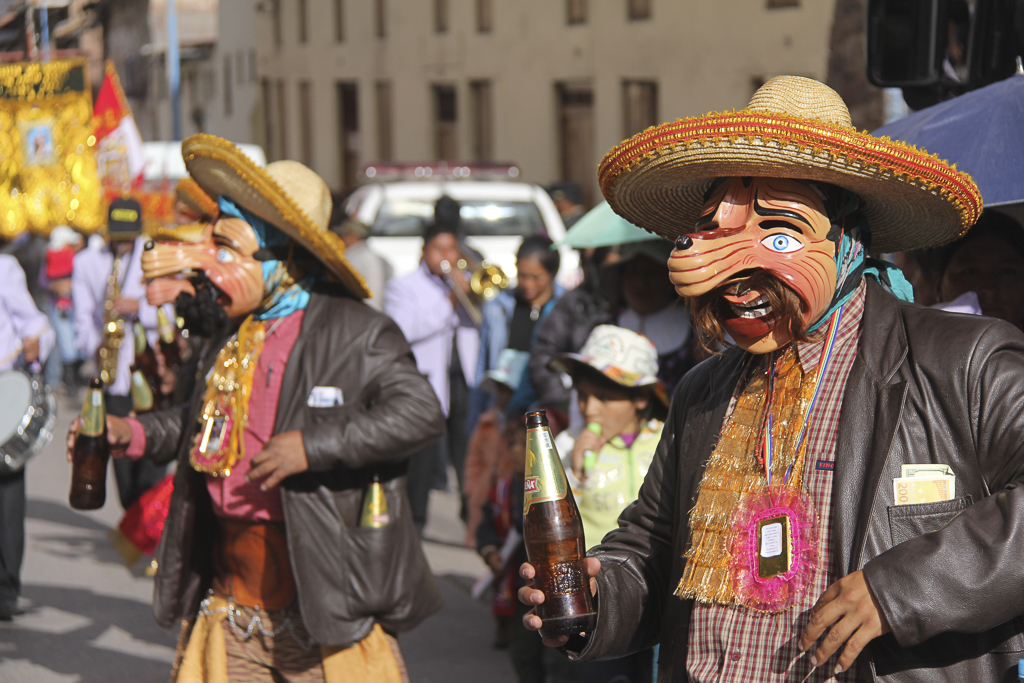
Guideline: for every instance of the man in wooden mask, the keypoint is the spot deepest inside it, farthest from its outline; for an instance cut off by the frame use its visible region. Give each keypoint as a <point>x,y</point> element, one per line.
<point>835,496</point>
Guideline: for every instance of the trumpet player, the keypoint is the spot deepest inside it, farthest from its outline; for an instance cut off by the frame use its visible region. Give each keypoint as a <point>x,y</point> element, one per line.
<point>110,272</point>
<point>428,305</point>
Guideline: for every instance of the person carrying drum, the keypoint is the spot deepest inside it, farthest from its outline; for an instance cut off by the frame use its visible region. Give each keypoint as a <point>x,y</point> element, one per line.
<point>26,339</point>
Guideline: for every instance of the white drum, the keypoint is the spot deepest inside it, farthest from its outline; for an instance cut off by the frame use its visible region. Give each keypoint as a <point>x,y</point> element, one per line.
<point>28,412</point>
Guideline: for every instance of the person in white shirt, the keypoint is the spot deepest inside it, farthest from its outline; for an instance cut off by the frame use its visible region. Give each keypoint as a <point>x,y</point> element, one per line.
<point>26,339</point>
<point>444,341</point>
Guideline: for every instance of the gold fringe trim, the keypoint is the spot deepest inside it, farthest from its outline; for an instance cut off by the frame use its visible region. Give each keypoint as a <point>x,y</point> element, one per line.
<point>733,471</point>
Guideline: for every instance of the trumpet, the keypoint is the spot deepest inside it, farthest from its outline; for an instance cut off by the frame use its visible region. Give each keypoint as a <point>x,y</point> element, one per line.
<point>486,281</point>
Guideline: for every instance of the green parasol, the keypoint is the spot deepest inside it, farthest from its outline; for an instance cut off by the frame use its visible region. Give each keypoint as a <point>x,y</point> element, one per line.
<point>602,227</point>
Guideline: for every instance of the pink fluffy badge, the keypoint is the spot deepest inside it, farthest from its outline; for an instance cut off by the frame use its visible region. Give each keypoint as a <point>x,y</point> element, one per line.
<point>774,548</point>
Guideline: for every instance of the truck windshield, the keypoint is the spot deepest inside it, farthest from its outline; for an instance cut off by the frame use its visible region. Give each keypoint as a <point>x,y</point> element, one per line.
<point>408,218</point>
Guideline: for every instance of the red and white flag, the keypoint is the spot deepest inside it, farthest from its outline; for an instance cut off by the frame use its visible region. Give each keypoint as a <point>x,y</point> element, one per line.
<point>120,154</point>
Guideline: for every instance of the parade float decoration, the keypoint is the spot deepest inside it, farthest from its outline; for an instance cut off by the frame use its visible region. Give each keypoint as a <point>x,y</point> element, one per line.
<point>48,173</point>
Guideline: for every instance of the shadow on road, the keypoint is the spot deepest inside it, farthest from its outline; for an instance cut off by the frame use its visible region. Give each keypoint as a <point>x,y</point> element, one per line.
<point>71,632</point>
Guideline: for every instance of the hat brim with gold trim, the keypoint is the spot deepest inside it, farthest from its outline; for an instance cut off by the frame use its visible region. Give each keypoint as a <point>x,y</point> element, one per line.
<point>793,128</point>
<point>221,169</point>
<point>192,196</point>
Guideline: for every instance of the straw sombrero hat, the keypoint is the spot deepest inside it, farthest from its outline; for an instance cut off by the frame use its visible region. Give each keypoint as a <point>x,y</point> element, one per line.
<point>191,195</point>
<point>793,128</point>
<point>286,194</point>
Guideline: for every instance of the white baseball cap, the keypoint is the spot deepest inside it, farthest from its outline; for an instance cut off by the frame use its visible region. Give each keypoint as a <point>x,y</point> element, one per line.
<point>621,355</point>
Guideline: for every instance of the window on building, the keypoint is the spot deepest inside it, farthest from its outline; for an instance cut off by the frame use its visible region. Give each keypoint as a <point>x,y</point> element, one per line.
<point>445,123</point>
<point>484,15</point>
<point>267,90</point>
<point>252,66</point>
<point>275,21</point>
<point>638,9</point>
<point>576,137</point>
<point>348,135</point>
<point>576,11</point>
<point>381,17</point>
<point>306,122</point>
<point>339,20</point>
<point>481,105</point>
<point>776,4</point>
<point>228,104</point>
<point>441,16</point>
<point>385,148</point>
<point>282,120</point>
<point>239,67</point>
<point>639,106</point>
<point>303,17</point>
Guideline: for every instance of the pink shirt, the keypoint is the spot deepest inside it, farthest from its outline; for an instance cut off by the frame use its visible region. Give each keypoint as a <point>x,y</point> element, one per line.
<point>232,495</point>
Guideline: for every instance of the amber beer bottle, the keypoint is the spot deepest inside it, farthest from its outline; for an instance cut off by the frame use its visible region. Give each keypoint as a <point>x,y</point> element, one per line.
<point>168,340</point>
<point>145,365</point>
<point>375,506</point>
<point>553,533</point>
<point>91,452</point>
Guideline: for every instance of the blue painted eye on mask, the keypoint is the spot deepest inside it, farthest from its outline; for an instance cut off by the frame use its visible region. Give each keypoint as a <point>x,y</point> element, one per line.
<point>279,301</point>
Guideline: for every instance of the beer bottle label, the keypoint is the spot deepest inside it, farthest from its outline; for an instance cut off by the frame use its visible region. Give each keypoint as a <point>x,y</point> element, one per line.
<point>94,414</point>
<point>545,478</point>
<point>142,393</point>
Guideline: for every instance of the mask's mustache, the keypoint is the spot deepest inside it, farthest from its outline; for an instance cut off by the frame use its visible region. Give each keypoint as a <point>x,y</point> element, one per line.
<point>201,313</point>
<point>710,311</point>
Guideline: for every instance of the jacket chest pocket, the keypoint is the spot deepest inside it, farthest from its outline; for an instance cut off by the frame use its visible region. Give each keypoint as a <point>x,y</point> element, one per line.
<point>909,521</point>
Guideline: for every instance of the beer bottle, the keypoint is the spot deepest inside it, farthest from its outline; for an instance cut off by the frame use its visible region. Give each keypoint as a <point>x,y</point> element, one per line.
<point>375,506</point>
<point>168,340</point>
<point>145,365</point>
<point>91,452</point>
<point>553,533</point>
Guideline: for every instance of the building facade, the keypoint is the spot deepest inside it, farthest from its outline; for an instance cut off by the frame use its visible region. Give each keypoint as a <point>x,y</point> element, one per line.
<point>549,85</point>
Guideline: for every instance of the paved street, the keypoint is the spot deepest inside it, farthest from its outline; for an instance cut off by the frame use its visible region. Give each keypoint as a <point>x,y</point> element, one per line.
<point>89,618</point>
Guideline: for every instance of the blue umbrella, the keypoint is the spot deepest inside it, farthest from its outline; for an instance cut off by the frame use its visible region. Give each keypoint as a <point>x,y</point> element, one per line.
<point>602,227</point>
<point>982,132</point>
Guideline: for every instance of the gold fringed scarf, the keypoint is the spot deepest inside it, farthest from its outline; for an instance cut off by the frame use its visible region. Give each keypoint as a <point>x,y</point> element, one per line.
<point>733,470</point>
<point>220,443</point>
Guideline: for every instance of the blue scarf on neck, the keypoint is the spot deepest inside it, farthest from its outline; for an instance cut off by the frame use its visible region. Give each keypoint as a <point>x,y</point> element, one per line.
<point>279,300</point>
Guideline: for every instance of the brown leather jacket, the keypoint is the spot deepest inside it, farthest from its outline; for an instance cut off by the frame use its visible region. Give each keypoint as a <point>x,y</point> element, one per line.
<point>347,577</point>
<point>926,386</point>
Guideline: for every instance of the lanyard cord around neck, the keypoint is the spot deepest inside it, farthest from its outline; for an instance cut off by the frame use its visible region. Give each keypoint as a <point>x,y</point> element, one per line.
<point>826,357</point>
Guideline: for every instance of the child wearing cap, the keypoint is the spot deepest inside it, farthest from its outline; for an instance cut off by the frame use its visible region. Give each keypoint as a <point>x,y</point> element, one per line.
<point>487,450</point>
<point>623,404</point>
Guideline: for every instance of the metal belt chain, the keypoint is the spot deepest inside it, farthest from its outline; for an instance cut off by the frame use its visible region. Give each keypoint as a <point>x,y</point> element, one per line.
<point>255,623</point>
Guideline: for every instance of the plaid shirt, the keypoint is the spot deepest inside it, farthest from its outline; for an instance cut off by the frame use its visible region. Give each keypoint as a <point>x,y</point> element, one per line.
<point>733,643</point>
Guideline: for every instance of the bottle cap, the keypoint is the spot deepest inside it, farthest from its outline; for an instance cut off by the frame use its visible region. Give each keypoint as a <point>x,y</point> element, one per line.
<point>537,418</point>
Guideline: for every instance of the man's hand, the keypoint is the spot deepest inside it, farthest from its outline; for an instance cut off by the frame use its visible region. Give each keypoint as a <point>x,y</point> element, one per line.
<point>587,441</point>
<point>125,306</point>
<point>283,456</point>
<point>30,349</point>
<point>531,596</point>
<point>848,602</point>
<point>119,435</point>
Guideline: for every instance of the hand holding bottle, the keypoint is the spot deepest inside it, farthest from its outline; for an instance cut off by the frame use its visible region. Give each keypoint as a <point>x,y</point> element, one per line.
<point>119,435</point>
<point>528,595</point>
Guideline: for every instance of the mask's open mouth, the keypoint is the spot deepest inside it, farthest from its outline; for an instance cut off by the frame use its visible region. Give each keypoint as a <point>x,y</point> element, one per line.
<point>751,308</point>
